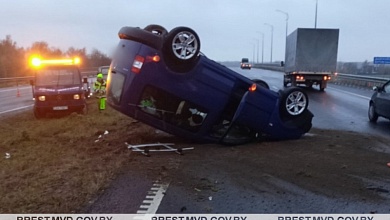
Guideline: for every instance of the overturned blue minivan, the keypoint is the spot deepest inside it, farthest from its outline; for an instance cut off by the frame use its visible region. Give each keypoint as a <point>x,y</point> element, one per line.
<point>162,79</point>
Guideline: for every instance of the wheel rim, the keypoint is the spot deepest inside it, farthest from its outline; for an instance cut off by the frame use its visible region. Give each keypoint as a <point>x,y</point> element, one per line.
<point>184,45</point>
<point>296,103</point>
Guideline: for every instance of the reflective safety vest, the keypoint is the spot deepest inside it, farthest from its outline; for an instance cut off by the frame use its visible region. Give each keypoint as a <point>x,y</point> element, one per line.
<point>99,87</point>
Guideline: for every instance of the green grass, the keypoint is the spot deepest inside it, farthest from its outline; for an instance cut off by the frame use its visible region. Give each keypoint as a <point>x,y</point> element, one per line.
<point>57,165</point>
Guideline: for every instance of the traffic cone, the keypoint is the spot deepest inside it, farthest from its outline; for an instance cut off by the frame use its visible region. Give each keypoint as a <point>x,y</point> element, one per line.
<point>17,90</point>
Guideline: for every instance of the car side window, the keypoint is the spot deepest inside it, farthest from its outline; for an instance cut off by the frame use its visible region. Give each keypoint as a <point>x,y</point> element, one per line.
<point>386,88</point>
<point>172,109</point>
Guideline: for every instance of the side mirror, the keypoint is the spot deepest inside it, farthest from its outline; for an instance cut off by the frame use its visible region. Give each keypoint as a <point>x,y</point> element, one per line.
<point>281,63</point>
<point>376,88</point>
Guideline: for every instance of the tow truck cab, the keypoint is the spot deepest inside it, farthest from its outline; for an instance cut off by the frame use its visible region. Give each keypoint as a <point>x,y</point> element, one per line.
<point>58,87</point>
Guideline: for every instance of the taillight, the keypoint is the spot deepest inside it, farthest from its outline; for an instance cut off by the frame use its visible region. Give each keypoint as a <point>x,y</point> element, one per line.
<point>253,87</point>
<point>137,64</point>
<point>327,78</point>
<point>156,58</point>
<point>140,60</point>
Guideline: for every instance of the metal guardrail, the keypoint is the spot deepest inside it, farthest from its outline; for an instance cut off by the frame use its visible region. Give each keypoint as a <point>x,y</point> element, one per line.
<point>15,81</point>
<point>358,80</point>
<point>18,81</point>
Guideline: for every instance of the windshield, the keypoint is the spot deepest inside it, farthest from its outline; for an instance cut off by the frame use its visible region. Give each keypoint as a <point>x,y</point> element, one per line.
<point>244,60</point>
<point>104,70</point>
<point>58,76</point>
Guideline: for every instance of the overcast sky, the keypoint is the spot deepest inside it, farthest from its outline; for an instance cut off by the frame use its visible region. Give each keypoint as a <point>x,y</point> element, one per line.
<point>228,29</point>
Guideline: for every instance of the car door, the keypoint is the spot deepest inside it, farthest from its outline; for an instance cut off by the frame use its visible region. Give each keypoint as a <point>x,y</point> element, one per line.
<point>383,101</point>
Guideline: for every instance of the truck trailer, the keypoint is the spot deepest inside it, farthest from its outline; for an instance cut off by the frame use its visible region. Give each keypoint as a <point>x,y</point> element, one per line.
<point>311,57</point>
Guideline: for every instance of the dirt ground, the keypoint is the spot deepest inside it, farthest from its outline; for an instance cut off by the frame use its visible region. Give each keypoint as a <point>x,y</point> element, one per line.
<point>59,165</point>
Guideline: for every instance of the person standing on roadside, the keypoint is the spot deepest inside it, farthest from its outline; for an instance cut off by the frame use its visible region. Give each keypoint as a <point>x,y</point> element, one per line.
<point>99,88</point>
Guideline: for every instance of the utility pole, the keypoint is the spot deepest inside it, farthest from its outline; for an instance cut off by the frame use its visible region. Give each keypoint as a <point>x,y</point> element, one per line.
<point>262,46</point>
<point>315,20</point>
<point>272,37</point>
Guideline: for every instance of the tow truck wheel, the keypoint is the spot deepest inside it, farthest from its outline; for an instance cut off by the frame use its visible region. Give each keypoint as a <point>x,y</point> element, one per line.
<point>84,110</point>
<point>181,48</point>
<point>38,114</point>
<point>294,102</point>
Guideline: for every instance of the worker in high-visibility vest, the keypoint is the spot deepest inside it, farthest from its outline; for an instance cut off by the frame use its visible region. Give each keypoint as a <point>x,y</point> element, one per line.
<point>99,88</point>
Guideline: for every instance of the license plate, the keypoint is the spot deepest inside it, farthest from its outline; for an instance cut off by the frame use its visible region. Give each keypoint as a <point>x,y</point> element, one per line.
<point>60,108</point>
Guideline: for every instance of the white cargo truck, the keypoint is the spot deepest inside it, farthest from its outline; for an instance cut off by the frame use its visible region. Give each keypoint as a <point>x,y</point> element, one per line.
<point>311,57</point>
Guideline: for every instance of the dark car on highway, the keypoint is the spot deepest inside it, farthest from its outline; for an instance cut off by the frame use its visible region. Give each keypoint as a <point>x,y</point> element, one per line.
<point>379,104</point>
<point>245,64</point>
<point>162,79</point>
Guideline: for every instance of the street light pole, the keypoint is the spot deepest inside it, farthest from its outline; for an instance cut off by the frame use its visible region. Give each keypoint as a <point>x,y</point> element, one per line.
<point>272,36</point>
<point>262,46</point>
<point>285,13</point>
<point>315,20</point>
<point>254,49</point>
<point>257,40</point>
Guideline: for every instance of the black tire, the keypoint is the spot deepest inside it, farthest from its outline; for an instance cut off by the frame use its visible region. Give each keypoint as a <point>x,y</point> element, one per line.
<point>38,114</point>
<point>372,115</point>
<point>181,49</point>
<point>261,83</point>
<point>84,110</point>
<point>309,85</point>
<point>142,36</point>
<point>156,29</point>
<point>294,102</point>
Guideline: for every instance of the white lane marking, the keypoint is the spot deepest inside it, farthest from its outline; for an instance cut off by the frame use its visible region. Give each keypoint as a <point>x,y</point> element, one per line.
<point>350,93</point>
<point>153,199</point>
<point>16,109</point>
<point>13,89</point>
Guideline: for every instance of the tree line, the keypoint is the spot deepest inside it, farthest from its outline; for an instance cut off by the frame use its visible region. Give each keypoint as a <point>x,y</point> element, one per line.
<point>363,68</point>
<point>14,59</point>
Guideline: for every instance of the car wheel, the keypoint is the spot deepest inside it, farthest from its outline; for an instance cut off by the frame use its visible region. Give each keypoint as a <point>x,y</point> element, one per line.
<point>156,29</point>
<point>38,114</point>
<point>84,110</point>
<point>181,48</point>
<point>372,115</point>
<point>294,102</point>
<point>261,83</point>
